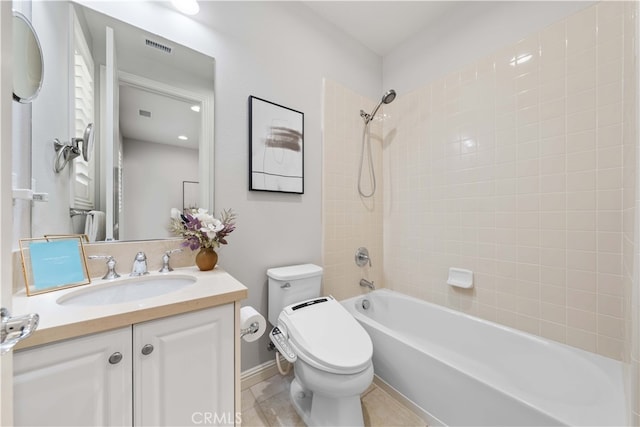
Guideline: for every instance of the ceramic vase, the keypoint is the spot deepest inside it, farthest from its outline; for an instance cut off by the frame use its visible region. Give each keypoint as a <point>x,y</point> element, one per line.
<point>206,259</point>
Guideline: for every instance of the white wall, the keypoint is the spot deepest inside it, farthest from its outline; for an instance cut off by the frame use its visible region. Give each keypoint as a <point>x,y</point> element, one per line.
<point>479,29</point>
<point>278,51</point>
<point>21,155</point>
<point>52,122</point>
<point>151,188</point>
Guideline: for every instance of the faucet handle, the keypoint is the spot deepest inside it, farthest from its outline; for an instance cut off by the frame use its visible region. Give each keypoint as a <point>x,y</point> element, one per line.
<point>111,266</point>
<point>362,257</point>
<point>165,260</point>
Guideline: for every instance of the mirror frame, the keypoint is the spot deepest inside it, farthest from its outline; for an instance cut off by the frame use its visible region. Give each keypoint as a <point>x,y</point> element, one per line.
<point>25,98</point>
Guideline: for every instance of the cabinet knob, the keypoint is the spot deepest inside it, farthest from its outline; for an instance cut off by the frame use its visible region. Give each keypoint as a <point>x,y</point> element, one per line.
<point>147,349</point>
<point>115,358</point>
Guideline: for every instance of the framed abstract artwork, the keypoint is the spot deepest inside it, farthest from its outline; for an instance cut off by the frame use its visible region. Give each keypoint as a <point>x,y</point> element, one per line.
<point>276,150</point>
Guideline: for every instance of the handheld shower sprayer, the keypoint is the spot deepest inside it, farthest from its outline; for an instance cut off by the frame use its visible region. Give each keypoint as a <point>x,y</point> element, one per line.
<point>387,98</point>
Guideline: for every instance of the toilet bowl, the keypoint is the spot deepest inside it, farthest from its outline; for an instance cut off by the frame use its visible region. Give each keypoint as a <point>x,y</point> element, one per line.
<point>330,350</point>
<point>324,399</point>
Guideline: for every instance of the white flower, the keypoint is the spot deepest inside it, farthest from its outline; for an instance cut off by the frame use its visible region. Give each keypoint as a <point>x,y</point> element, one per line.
<point>175,213</point>
<point>202,215</point>
<point>211,226</point>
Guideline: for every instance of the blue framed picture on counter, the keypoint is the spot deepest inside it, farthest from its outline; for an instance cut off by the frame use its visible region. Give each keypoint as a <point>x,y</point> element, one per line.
<point>53,263</point>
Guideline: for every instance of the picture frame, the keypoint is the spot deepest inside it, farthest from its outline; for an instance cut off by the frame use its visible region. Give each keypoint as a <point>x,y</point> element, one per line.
<point>190,195</point>
<point>52,263</point>
<point>276,147</point>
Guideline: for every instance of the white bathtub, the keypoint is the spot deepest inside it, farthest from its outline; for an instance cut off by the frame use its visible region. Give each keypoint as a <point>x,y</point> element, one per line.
<point>461,370</point>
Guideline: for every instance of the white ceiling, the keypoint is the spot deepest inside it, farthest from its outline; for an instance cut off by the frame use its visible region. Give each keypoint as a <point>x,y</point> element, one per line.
<point>383,25</point>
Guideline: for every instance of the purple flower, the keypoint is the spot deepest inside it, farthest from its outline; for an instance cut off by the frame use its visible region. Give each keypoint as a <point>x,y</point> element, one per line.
<point>200,229</point>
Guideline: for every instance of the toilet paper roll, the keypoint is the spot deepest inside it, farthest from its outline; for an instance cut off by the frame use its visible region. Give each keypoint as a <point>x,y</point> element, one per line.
<point>249,315</point>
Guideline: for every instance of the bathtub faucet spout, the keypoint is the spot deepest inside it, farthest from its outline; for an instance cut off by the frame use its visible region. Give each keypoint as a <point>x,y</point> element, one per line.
<point>367,284</point>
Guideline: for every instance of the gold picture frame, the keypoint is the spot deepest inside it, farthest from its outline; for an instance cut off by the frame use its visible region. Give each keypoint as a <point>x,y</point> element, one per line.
<point>52,263</point>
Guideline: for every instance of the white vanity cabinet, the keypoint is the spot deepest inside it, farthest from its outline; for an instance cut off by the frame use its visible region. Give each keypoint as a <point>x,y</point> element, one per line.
<point>186,376</point>
<point>177,370</point>
<point>73,383</point>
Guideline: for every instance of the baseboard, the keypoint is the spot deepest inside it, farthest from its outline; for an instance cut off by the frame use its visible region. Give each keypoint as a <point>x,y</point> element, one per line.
<point>429,419</point>
<point>257,374</point>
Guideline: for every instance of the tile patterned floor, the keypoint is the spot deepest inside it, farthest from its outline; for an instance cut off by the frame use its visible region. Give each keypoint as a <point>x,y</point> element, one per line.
<point>267,405</point>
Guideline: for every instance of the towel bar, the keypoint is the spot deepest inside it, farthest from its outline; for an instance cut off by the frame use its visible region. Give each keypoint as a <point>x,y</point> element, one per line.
<point>82,212</point>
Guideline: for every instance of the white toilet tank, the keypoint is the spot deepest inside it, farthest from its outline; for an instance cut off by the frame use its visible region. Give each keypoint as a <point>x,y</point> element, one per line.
<point>292,284</point>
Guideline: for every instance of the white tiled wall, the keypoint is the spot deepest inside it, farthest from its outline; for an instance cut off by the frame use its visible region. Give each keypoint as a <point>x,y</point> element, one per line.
<point>349,221</point>
<point>523,169</point>
<point>513,168</point>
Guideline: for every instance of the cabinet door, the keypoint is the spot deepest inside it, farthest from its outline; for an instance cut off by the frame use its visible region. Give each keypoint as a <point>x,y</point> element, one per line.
<point>73,383</point>
<point>188,376</point>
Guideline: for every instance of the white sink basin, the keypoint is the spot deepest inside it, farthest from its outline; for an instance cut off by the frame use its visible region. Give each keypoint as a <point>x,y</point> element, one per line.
<point>126,290</point>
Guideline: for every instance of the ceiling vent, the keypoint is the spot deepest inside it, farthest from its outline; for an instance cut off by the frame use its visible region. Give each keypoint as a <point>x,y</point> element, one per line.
<point>145,113</point>
<point>159,46</point>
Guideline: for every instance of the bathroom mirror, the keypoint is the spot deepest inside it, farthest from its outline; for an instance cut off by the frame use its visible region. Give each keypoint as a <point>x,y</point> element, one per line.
<point>151,104</point>
<point>27,60</point>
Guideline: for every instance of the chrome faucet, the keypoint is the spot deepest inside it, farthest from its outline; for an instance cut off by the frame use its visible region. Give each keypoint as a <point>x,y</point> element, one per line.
<point>111,266</point>
<point>139,265</point>
<point>367,284</point>
<point>165,260</point>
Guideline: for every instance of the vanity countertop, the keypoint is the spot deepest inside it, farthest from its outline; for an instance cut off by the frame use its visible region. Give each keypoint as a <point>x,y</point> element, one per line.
<point>58,322</point>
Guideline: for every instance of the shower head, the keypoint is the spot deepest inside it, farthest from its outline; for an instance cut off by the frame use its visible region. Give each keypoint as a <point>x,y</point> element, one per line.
<point>387,98</point>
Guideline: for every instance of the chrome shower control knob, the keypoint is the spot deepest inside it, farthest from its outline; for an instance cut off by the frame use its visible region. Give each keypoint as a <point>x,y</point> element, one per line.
<point>362,257</point>
<point>147,349</point>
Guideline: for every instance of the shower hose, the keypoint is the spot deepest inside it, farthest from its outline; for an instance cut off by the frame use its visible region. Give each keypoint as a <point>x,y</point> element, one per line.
<point>366,139</point>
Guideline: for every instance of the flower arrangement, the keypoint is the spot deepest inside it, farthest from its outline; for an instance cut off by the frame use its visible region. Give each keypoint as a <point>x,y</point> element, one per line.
<point>200,229</point>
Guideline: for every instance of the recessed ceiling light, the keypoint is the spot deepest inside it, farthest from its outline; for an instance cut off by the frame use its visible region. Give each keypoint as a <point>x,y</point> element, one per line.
<point>182,138</point>
<point>188,7</point>
<point>195,108</point>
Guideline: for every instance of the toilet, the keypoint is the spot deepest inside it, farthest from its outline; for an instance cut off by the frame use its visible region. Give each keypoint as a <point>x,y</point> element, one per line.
<point>330,350</point>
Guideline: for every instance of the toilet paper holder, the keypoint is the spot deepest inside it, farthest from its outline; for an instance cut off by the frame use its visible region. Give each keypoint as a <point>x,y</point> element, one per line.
<point>252,329</point>
<point>252,324</point>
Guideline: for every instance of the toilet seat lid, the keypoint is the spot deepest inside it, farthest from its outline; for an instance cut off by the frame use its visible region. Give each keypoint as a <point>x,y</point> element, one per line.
<point>327,336</point>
